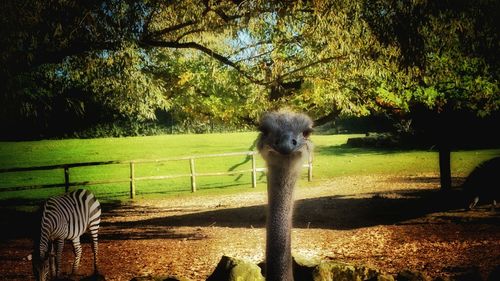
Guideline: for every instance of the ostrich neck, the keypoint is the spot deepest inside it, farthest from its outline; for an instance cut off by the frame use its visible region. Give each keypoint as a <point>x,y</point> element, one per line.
<point>280,189</point>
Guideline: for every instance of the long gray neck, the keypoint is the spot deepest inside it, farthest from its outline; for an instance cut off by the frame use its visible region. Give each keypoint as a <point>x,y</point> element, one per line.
<point>280,188</point>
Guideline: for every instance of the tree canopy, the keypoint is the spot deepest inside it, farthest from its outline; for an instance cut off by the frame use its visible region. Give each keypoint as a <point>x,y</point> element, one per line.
<point>228,61</point>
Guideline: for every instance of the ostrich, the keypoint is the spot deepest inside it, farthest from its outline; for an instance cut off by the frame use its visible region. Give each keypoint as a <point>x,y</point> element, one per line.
<point>284,144</point>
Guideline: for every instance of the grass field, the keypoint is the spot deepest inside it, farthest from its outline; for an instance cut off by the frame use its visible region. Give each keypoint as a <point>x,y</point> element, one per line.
<point>332,158</point>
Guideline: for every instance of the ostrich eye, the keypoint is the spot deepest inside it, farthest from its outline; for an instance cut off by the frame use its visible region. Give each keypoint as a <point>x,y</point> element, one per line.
<point>263,130</point>
<point>307,133</point>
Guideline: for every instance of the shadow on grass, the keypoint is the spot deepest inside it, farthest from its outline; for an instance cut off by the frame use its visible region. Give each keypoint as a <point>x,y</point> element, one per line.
<point>344,149</point>
<point>329,212</point>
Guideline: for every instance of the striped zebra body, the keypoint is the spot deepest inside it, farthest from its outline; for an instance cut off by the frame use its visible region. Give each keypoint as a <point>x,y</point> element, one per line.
<point>66,217</point>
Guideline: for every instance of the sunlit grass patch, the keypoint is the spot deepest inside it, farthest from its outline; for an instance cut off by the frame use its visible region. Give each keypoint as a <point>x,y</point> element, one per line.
<point>332,158</point>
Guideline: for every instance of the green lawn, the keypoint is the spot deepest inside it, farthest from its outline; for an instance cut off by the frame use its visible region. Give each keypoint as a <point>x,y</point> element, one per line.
<point>331,159</point>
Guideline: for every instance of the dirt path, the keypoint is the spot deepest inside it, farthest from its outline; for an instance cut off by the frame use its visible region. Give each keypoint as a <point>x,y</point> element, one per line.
<point>387,222</point>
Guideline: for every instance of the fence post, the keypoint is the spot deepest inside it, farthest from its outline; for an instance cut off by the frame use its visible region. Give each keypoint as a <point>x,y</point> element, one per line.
<point>66,178</point>
<point>193,175</point>
<point>132,180</point>
<point>310,168</point>
<point>254,171</point>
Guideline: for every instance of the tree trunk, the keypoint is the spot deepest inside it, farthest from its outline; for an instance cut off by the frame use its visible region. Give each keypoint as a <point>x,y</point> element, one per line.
<point>445,166</point>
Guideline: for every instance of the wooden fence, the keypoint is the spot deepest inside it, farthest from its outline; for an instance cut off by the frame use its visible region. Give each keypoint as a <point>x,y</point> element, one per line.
<point>133,178</point>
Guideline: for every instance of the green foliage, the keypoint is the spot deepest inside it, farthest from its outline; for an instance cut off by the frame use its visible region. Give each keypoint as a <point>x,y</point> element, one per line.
<point>118,80</point>
<point>203,91</point>
<point>447,61</point>
<point>120,128</point>
<point>223,63</point>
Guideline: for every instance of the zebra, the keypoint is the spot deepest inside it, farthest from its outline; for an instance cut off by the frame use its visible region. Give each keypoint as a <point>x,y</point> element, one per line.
<point>65,217</point>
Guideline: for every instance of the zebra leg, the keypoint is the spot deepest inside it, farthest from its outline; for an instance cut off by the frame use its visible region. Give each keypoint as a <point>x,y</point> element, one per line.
<point>474,203</point>
<point>77,249</point>
<point>95,248</point>
<point>59,249</point>
<point>52,262</point>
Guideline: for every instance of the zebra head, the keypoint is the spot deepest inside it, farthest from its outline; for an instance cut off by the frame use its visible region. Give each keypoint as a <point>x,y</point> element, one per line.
<point>40,267</point>
<point>44,264</point>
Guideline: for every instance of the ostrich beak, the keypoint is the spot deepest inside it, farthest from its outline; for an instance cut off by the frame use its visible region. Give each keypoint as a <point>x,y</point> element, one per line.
<point>287,144</point>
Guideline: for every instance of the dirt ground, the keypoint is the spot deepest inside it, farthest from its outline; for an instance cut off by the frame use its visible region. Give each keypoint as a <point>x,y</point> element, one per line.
<point>391,223</point>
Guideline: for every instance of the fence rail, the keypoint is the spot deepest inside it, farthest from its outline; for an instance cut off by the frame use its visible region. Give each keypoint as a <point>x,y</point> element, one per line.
<point>133,178</point>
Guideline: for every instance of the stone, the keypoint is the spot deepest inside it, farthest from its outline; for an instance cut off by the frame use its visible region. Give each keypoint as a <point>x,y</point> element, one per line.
<point>339,271</point>
<point>385,277</point>
<point>231,269</point>
<point>412,275</point>
<point>303,268</point>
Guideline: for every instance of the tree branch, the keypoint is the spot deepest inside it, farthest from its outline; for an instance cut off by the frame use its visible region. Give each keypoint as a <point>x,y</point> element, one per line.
<point>209,52</point>
<point>325,60</point>
<point>189,32</point>
<point>327,118</point>
<point>254,57</point>
<point>250,46</point>
<point>171,29</point>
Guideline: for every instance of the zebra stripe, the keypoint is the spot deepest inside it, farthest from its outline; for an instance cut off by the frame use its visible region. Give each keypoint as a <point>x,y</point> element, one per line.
<point>67,217</point>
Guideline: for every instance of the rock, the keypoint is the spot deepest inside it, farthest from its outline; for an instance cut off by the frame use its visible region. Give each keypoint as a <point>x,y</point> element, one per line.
<point>303,268</point>
<point>411,275</point>
<point>231,269</point>
<point>385,277</point>
<point>333,270</point>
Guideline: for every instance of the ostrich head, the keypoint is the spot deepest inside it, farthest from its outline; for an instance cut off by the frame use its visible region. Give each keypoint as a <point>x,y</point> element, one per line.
<point>284,136</point>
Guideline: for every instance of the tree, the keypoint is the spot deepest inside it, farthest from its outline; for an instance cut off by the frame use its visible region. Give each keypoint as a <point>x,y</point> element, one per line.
<point>230,60</point>
<point>290,50</point>
<point>280,48</point>
<point>42,40</point>
<point>448,64</point>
